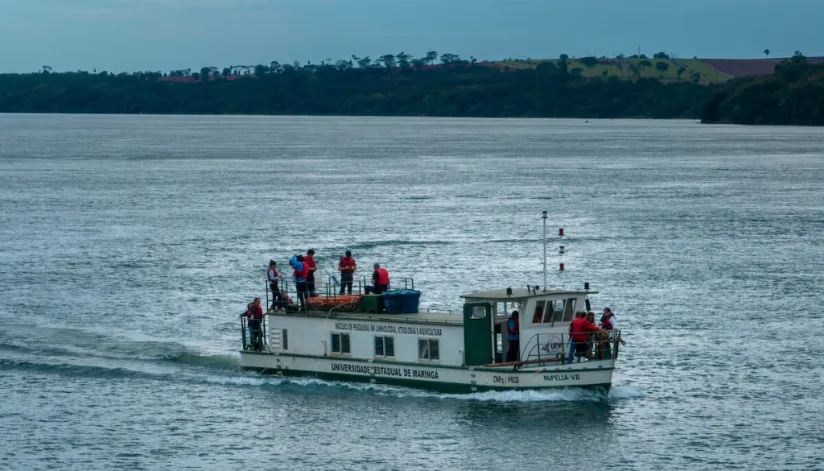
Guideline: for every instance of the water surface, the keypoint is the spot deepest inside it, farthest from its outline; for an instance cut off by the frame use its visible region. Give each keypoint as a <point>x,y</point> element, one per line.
<point>131,243</point>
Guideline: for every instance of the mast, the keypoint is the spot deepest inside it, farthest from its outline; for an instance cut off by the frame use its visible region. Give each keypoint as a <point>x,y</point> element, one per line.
<point>544,218</point>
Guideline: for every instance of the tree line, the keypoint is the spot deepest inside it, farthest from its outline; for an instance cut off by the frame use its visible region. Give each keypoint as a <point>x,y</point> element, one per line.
<point>391,84</point>
<point>793,95</point>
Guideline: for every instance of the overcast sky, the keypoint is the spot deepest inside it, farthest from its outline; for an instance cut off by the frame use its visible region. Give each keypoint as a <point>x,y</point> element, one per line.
<point>129,35</point>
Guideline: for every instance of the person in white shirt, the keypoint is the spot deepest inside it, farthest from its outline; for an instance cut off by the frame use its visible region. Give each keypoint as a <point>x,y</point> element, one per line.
<point>274,277</point>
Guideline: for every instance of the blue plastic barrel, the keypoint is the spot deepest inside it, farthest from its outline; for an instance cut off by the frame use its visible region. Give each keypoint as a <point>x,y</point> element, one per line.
<point>401,301</point>
<point>393,301</point>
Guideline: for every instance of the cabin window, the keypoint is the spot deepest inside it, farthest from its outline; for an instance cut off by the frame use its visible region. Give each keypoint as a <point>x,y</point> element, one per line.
<point>478,312</point>
<point>428,350</point>
<point>340,343</point>
<point>558,310</point>
<point>547,313</point>
<point>384,346</point>
<point>539,312</point>
<point>285,339</point>
<point>569,309</point>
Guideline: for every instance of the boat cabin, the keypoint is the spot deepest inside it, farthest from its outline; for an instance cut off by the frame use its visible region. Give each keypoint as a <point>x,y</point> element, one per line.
<point>543,320</point>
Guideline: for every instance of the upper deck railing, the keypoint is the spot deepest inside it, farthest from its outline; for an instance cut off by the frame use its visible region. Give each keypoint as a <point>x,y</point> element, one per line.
<point>328,286</point>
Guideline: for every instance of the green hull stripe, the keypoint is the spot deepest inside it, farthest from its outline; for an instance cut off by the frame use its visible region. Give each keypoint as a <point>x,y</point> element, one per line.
<point>408,363</point>
<point>453,388</point>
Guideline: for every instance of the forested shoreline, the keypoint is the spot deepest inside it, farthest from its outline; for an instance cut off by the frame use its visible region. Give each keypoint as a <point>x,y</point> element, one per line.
<point>454,88</point>
<point>793,95</point>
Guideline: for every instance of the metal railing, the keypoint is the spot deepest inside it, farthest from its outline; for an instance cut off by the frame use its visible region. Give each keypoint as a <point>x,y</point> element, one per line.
<point>329,288</point>
<point>254,341</point>
<point>554,347</point>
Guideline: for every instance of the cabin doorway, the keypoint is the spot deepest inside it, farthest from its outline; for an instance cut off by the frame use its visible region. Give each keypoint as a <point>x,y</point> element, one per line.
<point>477,334</point>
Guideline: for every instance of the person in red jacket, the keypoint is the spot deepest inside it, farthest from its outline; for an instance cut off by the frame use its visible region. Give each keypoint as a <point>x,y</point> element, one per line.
<point>380,279</point>
<point>255,317</point>
<point>347,267</point>
<point>608,320</point>
<point>578,336</point>
<point>309,259</point>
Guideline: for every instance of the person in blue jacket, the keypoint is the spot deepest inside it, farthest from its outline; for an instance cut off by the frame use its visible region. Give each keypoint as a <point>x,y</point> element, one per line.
<point>300,273</point>
<point>513,330</point>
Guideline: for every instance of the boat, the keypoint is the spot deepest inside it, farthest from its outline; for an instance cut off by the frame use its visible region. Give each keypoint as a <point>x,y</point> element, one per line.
<point>385,339</point>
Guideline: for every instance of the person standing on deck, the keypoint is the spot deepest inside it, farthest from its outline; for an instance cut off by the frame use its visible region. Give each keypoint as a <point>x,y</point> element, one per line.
<point>300,273</point>
<point>310,279</point>
<point>274,277</point>
<point>608,324</point>
<point>255,318</point>
<point>608,321</point>
<point>347,267</point>
<point>578,329</point>
<point>590,337</point>
<point>513,330</point>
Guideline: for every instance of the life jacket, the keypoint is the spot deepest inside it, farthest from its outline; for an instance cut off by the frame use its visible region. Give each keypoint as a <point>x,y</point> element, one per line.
<point>272,273</point>
<point>383,277</point>
<point>346,264</point>
<point>303,273</point>
<point>310,262</point>
<point>606,322</point>
<point>256,312</point>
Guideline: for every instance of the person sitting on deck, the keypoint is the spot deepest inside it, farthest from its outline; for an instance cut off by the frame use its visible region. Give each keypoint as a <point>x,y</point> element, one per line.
<point>513,330</point>
<point>578,336</point>
<point>380,280</point>
<point>285,298</point>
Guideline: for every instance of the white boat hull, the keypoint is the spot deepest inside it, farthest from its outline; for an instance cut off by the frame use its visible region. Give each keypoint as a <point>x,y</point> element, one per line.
<point>588,374</point>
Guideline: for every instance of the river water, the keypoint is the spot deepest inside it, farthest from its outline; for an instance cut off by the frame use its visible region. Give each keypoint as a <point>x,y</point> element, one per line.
<point>130,244</point>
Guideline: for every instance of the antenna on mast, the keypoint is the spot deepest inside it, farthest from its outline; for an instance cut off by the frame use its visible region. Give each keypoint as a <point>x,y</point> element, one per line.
<point>544,218</point>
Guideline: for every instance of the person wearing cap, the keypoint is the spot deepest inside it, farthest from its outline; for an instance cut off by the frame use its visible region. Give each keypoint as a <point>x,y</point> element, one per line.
<point>380,280</point>
<point>274,277</point>
<point>347,267</point>
<point>513,330</point>
<point>309,259</point>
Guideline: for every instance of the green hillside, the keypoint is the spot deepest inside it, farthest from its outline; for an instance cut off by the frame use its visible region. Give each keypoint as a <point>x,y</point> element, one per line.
<point>454,89</point>
<point>672,70</point>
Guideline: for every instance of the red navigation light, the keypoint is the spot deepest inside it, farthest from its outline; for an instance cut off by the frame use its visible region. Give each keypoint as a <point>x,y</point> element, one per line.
<point>562,267</point>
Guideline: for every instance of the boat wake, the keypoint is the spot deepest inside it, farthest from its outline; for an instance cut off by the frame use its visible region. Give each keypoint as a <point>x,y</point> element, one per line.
<point>324,387</point>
